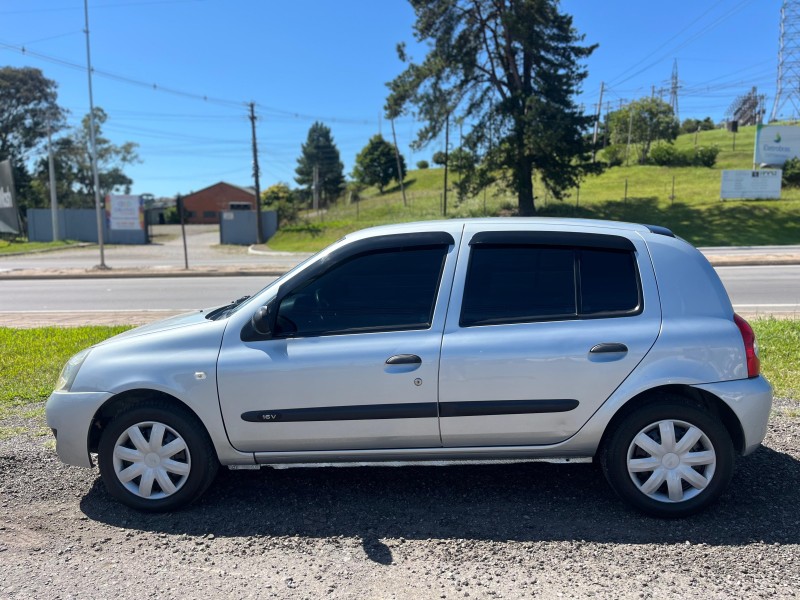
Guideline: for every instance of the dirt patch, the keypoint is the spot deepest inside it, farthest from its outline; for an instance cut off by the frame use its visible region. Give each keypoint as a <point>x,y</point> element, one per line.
<point>483,531</point>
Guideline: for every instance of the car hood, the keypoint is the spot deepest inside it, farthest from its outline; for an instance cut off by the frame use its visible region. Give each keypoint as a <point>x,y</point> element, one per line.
<point>183,320</point>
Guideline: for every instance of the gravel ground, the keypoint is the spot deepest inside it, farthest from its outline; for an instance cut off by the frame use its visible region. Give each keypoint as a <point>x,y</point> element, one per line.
<point>484,531</point>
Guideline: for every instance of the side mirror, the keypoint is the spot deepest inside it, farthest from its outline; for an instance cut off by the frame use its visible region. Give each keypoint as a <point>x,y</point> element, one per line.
<point>261,325</point>
<point>261,321</point>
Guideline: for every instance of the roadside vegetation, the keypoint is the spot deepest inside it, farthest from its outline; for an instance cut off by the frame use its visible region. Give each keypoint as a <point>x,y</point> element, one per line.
<point>32,359</point>
<point>637,193</point>
<point>22,246</point>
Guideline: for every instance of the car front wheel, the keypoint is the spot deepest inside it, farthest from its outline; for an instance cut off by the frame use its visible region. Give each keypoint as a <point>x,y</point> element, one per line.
<point>156,457</point>
<point>669,460</point>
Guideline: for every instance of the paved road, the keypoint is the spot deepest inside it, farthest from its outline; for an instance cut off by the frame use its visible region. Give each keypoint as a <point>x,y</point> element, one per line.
<point>770,289</point>
<point>166,251</point>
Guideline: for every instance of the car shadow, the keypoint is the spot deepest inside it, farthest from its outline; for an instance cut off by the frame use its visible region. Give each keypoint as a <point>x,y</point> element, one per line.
<point>522,502</point>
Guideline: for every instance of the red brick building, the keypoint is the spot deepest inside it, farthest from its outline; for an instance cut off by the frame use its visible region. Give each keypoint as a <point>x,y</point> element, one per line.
<point>205,206</point>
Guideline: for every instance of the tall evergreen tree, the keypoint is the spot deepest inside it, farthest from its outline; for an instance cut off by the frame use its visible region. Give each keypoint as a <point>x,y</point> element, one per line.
<point>320,150</point>
<point>511,69</point>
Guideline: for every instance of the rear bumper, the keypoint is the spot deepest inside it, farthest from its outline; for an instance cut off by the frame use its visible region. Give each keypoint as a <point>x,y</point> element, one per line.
<point>70,416</point>
<point>751,401</point>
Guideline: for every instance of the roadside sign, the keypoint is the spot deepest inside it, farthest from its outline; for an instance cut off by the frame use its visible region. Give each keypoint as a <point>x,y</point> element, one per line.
<point>775,144</point>
<point>125,212</point>
<point>761,183</point>
<point>9,216</point>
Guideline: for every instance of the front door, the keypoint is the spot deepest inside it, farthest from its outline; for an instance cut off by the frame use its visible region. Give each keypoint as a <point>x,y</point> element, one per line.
<point>354,360</point>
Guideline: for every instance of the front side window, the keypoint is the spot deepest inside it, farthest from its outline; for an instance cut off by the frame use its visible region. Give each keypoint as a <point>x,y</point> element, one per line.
<point>386,290</point>
<point>526,283</point>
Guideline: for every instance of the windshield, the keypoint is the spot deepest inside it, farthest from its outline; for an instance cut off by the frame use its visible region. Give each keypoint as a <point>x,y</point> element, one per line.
<point>226,311</point>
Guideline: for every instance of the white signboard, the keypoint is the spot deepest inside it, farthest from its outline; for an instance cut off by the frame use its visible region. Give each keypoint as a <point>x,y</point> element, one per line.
<point>125,212</point>
<point>775,144</point>
<point>764,183</point>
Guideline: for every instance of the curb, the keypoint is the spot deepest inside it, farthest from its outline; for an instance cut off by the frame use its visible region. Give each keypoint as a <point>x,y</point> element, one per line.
<point>277,271</point>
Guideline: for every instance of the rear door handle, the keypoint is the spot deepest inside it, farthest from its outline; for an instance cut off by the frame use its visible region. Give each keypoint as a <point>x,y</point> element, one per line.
<point>404,359</point>
<point>608,348</point>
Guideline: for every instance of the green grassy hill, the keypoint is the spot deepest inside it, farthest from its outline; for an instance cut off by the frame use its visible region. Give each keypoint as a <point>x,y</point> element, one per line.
<point>629,193</point>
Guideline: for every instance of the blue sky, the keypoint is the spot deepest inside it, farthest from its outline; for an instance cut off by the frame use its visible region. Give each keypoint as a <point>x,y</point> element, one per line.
<point>179,73</point>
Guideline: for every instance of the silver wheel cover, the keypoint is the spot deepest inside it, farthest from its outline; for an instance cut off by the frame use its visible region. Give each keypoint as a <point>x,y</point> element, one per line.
<point>151,460</point>
<point>671,461</point>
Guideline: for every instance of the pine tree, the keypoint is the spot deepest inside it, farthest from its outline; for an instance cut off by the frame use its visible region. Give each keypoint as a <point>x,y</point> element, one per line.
<point>320,150</point>
<point>510,69</point>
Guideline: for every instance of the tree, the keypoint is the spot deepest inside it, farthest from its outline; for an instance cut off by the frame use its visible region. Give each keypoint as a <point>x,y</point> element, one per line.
<point>695,125</point>
<point>320,150</point>
<point>439,158</point>
<point>73,164</point>
<point>511,69</point>
<point>376,164</point>
<point>644,121</point>
<point>280,198</point>
<point>27,107</point>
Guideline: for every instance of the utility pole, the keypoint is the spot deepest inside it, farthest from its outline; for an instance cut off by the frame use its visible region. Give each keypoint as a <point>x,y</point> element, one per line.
<point>446,160</point>
<point>788,61</point>
<point>630,127</point>
<point>673,90</point>
<point>93,142</point>
<point>53,196</point>
<point>399,169</point>
<point>597,121</point>
<point>316,187</point>
<point>259,226</point>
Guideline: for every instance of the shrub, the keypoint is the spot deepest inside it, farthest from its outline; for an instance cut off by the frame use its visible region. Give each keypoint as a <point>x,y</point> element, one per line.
<point>705,157</point>
<point>422,164</point>
<point>791,173</point>
<point>614,155</point>
<point>665,155</point>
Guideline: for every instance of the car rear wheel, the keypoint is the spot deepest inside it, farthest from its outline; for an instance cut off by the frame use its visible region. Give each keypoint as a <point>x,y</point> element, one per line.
<point>156,457</point>
<point>669,459</point>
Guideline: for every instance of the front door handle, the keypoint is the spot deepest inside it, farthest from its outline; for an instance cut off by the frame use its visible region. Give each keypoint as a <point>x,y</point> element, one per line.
<point>608,348</point>
<point>404,359</point>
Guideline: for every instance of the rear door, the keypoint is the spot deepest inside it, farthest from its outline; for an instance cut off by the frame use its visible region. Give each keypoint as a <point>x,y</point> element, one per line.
<point>549,324</point>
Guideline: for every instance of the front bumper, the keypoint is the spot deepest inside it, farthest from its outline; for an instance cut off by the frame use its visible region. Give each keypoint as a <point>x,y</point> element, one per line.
<point>751,401</point>
<point>70,416</point>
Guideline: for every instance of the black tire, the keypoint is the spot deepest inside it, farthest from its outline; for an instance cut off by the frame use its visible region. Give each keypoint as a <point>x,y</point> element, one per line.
<point>636,487</point>
<point>190,471</point>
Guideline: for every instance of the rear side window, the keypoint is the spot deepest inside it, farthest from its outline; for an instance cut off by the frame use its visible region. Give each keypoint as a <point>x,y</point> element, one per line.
<point>386,290</point>
<point>525,283</point>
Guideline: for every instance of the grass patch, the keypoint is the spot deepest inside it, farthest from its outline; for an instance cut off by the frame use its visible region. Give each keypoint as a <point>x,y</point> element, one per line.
<point>17,247</point>
<point>779,350</point>
<point>32,359</point>
<point>640,194</point>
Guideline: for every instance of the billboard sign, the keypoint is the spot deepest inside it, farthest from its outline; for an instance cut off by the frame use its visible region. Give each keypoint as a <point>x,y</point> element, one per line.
<point>125,212</point>
<point>763,183</point>
<point>9,216</point>
<point>775,144</point>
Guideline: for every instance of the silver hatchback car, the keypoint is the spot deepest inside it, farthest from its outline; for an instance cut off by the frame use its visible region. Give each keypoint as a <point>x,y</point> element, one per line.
<point>438,341</point>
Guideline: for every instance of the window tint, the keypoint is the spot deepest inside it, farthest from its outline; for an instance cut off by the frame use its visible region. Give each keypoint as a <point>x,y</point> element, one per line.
<point>609,282</point>
<point>517,283</point>
<point>386,290</point>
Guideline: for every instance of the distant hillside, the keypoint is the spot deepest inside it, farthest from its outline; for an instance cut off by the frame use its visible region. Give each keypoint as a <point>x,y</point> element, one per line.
<point>628,193</point>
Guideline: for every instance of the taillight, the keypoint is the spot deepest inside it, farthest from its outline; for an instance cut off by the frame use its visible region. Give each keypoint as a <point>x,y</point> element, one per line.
<point>750,346</point>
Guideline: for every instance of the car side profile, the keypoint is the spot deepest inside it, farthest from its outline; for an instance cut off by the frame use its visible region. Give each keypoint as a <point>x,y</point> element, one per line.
<point>452,340</point>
